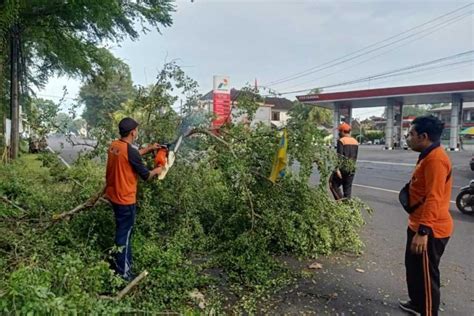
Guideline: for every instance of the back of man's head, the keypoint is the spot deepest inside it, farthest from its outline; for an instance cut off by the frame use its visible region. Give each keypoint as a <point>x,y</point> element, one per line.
<point>430,125</point>
<point>126,125</point>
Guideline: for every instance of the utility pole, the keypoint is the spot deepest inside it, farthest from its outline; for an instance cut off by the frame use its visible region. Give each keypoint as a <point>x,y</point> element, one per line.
<point>14,91</point>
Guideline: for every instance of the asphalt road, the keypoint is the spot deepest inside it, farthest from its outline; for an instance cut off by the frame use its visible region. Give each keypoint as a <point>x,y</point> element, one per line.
<point>66,149</point>
<point>380,175</point>
<point>376,290</point>
<point>385,233</point>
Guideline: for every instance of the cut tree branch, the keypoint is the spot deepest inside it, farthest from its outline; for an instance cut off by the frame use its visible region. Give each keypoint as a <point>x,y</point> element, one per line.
<point>69,140</point>
<point>210,134</point>
<point>88,204</point>
<point>127,289</point>
<point>131,285</point>
<point>6,200</point>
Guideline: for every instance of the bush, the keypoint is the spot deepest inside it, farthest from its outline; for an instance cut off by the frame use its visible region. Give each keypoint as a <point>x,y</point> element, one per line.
<point>215,211</point>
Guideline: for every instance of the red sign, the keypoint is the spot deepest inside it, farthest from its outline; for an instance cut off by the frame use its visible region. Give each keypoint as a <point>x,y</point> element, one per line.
<point>221,108</point>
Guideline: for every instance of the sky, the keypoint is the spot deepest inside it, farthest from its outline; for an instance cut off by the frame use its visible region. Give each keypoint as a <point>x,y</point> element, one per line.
<point>271,40</point>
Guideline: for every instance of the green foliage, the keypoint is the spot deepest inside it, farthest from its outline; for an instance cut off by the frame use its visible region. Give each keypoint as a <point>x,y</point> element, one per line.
<point>215,211</point>
<point>372,135</point>
<point>59,37</point>
<point>64,37</point>
<point>413,110</point>
<point>248,101</point>
<point>104,93</point>
<point>41,116</point>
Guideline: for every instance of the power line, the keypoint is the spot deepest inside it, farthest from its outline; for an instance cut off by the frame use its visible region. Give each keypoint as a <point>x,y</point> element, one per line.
<point>381,54</point>
<point>55,96</point>
<point>370,51</point>
<point>384,74</point>
<point>344,59</point>
<point>426,69</point>
<point>409,77</point>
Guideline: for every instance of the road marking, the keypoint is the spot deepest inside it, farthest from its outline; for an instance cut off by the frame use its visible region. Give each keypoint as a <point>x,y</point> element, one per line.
<point>385,190</point>
<point>389,163</point>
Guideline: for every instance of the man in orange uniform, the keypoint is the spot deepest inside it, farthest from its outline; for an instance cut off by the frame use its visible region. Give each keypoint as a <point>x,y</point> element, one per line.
<point>347,148</point>
<point>124,165</point>
<point>430,224</point>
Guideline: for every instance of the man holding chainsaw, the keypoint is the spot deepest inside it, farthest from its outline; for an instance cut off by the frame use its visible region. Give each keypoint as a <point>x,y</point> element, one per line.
<point>124,165</point>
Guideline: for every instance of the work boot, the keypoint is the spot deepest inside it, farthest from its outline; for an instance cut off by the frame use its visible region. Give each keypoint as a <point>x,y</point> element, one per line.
<point>128,277</point>
<point>409,307</point>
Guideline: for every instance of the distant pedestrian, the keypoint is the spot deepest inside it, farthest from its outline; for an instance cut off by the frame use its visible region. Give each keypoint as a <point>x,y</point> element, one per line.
<point>426,197</point>
<point>347,148</point>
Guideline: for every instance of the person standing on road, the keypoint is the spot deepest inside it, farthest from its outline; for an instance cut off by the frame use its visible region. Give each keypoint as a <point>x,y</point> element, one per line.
<point>124,165</point>
<point>347,148</point>
<point>429,224</point>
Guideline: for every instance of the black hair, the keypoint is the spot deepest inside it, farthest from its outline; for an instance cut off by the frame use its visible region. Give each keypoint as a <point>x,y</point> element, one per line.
<point>430,125</point>
<point>125,134</point>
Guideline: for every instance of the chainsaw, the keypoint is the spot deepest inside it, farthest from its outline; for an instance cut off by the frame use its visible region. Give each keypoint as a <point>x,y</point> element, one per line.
<point>165,156</point>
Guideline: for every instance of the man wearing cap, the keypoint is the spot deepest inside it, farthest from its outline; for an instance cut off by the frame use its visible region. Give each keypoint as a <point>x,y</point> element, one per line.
<point>124,165</point>
<point>347,147</point>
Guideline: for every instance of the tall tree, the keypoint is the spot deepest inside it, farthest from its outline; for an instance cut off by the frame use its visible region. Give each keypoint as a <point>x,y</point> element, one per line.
<point>41,115</point>
<point>319,115</point>
<point>413,110</point>
<point>47,37</point>
<point>103,94</point>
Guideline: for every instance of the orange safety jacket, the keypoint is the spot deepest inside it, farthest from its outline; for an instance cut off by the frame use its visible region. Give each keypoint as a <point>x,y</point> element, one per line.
<point>124,165</point>
<point>348,147</point>
<point>432,182</point>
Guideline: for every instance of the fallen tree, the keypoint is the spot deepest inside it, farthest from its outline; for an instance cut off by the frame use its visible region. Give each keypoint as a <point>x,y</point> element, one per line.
<point>215,210</point>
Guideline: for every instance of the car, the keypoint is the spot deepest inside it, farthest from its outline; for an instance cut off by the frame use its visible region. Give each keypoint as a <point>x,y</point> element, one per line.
<point>472,163</point>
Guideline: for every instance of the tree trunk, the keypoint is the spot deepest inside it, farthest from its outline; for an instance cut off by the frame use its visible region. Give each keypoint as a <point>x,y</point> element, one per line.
<point>2,99</point>
<point>14,92</point>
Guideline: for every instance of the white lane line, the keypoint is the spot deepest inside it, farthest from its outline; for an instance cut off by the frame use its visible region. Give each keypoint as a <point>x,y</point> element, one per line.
<point>385,190</point>
<point>388,163</point>
<point>374,188</point>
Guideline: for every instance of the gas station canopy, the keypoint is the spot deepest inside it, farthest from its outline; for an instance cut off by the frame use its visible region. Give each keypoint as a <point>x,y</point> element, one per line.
<point>394,98</point>
<point>408,95</point>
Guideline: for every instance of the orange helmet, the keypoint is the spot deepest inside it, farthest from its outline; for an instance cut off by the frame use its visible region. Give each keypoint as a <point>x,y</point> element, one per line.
<point>344,127</point>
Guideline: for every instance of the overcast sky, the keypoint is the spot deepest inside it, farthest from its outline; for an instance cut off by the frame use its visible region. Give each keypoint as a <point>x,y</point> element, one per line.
<point>269,40</point>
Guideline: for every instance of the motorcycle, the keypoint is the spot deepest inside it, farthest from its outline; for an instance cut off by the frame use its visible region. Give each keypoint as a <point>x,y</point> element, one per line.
<point>465,199</point>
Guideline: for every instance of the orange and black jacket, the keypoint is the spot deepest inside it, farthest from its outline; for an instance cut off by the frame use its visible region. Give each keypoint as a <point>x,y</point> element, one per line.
<point>348,147</point>
<point>431,184</point>
<point>124,165</point>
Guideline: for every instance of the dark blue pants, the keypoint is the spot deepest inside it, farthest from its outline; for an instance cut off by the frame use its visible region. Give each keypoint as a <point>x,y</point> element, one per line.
<point>124,220</point>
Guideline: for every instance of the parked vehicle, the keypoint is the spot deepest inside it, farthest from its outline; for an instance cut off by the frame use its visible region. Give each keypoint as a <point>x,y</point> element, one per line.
<point>465,199</point>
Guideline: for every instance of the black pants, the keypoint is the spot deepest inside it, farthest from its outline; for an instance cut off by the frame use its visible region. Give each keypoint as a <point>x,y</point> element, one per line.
<point>335,184</point>
<point>423,277</point>
<point>124,220</point>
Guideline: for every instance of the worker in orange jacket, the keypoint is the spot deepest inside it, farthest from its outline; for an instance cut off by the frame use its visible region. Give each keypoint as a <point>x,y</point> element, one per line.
<point>124,166</point>
<point>429,224</point>
<point>347,148</point>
